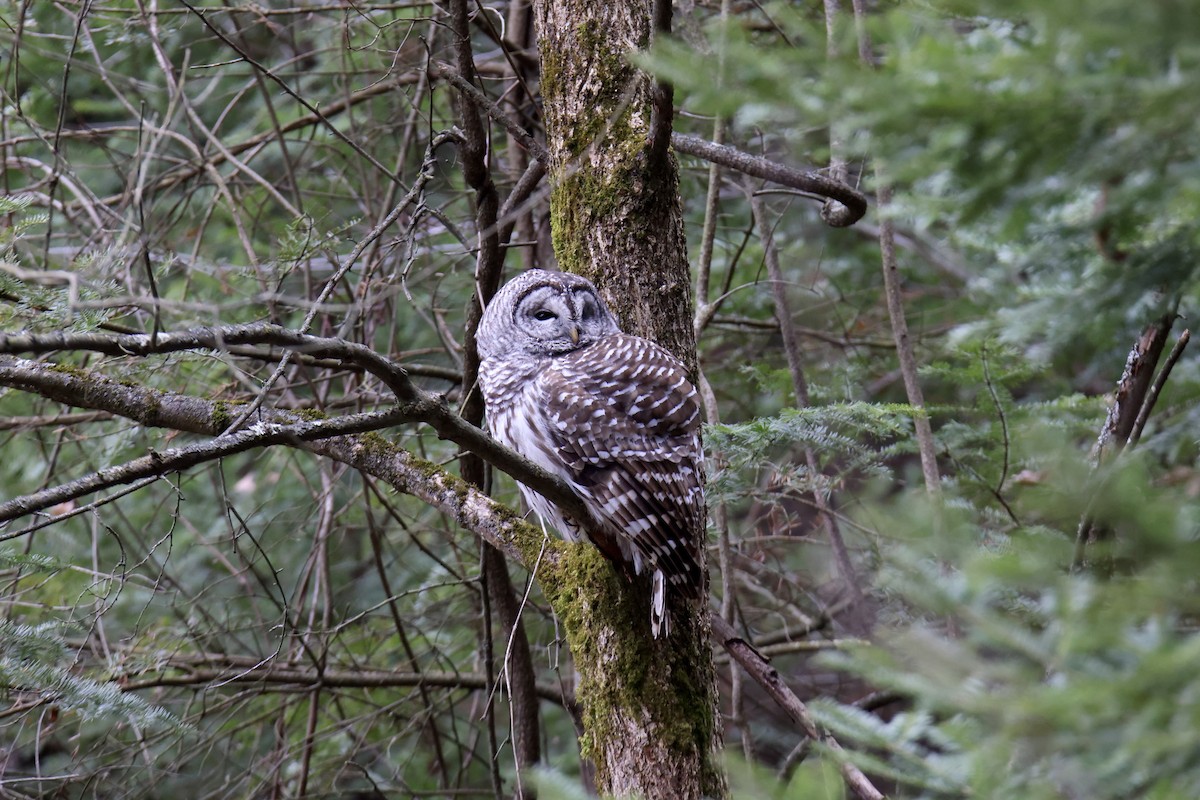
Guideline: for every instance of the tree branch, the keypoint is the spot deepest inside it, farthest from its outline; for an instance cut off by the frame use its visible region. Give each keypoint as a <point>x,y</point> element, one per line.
<point>157,409</point>
<point>177,459</point>
<point>189,675</point>
<point>757,666</point>
<point>1133,400</point>
<point>1131,392</point>
<point>405,472</point>
<point>393,375</point>
<point>854,203</point>
<point>475,95</point>
<point>893,293</point>
<point>1152,396</point>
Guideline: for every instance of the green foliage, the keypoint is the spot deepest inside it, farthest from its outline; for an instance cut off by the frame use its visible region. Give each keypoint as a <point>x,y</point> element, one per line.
<point>1045,141</point>
<point>23,221</point>
<point>36,667</point>
<point>554,785</point>
<point>1049,148</point>
<point>1026,678</point>
<point>816,778</point>
<point>853,436</point>
<point>1047,187</point>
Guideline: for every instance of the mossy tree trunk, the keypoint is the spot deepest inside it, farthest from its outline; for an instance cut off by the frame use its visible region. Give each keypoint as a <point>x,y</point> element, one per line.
<point>650,710</point>
<point>615,210</point>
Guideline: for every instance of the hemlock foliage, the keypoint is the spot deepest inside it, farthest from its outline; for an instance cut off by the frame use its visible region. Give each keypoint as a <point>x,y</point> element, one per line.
<point>253,626</point>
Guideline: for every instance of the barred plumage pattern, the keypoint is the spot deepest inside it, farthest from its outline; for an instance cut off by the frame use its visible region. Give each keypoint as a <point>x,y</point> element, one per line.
<point>613,414</point>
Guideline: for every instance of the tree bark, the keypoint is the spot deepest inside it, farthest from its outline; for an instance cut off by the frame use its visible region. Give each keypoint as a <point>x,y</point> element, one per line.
<point>650,713</point>
<point>615,210</point>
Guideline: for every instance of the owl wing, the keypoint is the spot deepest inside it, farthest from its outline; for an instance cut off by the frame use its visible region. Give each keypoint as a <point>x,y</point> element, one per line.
<point>625,420</point>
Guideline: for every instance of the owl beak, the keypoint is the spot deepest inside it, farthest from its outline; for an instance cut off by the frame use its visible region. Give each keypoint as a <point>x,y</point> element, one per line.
<point>574,334</point>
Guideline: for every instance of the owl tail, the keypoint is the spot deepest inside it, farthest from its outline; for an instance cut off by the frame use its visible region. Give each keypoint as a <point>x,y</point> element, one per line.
<point>660,623</point>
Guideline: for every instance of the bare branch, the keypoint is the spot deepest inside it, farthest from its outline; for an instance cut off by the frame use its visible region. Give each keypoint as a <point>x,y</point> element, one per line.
<point>1132,388</point>
<point>176,459</point>
<point>854,202</point>
<point>216,338</point>
<point>190,414</point>
<point>1133,401</point>
<point>471,92</point>
<point>328,110</point>
<point>294,676</point>
<point>760,669</point>
<point>893,292</point>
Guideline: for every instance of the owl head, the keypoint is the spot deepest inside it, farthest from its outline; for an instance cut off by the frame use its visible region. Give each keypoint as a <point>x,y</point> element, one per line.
<point>544,313</point>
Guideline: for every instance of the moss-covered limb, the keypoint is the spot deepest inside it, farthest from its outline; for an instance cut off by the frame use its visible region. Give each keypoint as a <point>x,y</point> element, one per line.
<point>86,389</point>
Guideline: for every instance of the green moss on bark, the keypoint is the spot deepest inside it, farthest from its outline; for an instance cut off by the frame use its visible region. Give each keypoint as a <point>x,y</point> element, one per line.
<point>221,418</point>
<point>641,678</point>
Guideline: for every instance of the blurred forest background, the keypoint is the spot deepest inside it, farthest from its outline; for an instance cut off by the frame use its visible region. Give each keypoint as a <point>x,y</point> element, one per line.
<point>272,623</point>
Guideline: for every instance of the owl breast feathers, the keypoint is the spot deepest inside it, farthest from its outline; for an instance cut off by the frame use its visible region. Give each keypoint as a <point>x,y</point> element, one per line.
<point>612,414</point>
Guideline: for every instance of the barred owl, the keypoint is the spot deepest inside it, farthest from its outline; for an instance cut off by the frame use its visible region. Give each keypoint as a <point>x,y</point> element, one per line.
<point>612,414</point>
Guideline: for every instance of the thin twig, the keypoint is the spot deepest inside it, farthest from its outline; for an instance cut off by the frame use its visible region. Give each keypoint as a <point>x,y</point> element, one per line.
<point>469,90</point>
<point>325,121</point>
<point>987,381</point>
<point>759,668</point>
<point>904,350</point>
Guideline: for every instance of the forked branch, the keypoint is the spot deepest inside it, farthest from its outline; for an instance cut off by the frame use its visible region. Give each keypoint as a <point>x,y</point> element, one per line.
<point>87,390</point>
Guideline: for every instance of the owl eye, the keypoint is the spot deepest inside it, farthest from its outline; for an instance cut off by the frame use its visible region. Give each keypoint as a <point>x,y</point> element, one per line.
<point>543,315</point>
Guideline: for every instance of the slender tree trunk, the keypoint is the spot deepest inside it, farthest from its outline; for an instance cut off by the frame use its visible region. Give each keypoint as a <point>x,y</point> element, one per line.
<point>650,714</point>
